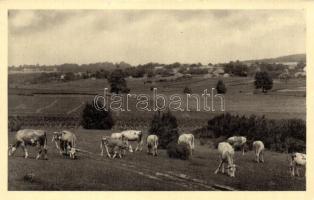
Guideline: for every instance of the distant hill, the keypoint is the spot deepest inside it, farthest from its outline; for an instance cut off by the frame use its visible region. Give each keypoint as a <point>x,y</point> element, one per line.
<point>288,58</point>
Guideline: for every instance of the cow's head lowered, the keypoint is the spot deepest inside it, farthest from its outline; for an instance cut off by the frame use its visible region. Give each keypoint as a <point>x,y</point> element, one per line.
<point>231,169</point>
<point>56,136</point>
<point>11,149</point>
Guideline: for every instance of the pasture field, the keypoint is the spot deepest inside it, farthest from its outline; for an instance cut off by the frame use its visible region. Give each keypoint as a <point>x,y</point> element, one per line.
<point>139,171</point>
<point>68,98</point>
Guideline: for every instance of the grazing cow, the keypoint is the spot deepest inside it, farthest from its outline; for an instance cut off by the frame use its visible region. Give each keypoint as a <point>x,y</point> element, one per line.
<point>258,147</point>
<point>187,139</point>
<point>30,137</point>
<point>67,141</point>
<point>238,142</point>
<point>114,146</point>
<point>152,144</point>
<point>297,160</point>
<point>226,156</point>
<point>133,135</point>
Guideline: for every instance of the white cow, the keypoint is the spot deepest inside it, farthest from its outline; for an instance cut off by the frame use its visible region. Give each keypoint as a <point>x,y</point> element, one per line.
<point>297,160</point>
<point>226,152</point>
<point>152,144</point>
<point>238,141</point>
<point>30,137</point>
<point>130,135</point>
<point>258,147</point>
<point>187,139</point>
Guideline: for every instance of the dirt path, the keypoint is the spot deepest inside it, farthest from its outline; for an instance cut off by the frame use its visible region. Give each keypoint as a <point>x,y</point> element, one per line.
<point>167,177</point>
<point>46,107</point>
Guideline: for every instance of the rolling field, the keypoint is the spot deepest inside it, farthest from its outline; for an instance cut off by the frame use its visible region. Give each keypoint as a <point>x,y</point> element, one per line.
<point>63,102</point>
<point>68,98</point>
<point>139,171</point>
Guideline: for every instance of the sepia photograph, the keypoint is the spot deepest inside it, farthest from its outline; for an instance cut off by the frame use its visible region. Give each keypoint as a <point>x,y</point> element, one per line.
<point>156,100</point>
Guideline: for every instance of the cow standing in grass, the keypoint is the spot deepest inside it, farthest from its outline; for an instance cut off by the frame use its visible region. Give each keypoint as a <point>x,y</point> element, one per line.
<point>258,148</point>
<point>297,160</point>
<point>187,139</point>
<point>152,144</point>
<point>67,142</point>
<point>30,137</point>
<point>130,135</point>
<point>113,146</point>
<point>238,142</point>
<point>226,152</point>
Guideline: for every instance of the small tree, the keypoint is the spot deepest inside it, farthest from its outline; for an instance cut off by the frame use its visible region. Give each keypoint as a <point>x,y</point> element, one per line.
<point>165,127</point>
<point>117,82</point>
<point>93,118</point>
<point>220,87</point>
<point>187,90</point>
<point>263,81</point>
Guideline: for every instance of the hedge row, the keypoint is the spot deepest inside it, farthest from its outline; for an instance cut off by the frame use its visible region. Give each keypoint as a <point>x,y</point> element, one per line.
<point>279,135</point>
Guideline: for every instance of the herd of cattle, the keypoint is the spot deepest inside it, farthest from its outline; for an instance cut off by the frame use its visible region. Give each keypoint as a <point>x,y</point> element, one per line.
<point>118,143</point>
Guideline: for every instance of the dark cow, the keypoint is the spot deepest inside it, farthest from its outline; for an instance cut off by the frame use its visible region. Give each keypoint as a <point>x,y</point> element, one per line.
<point>32,138</point>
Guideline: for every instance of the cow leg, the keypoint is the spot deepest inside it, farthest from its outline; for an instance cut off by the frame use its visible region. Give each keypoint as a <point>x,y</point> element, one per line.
<point>141,146</point>
<point>107,150</point>
<point>217,170</point>
<point>45,153</point>
<point>137,147</point>
<point>242,149</point>
<point>130,148</point>
<point>223,168</point>
<point>39,151</point>
<point>292,170</point>
<point>25,150</point>
<point>297,171</point>
<point>114,155</point>
<point>39,154</point>
<point>262,156</point>
<point>257,157</point>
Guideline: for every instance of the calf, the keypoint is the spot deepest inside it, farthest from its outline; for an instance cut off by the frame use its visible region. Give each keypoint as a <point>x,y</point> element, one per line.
<point>297,160</point>
<point>258,147</point>
<point>226,152</point>
<point>152,144</point>
<point>30,137</point>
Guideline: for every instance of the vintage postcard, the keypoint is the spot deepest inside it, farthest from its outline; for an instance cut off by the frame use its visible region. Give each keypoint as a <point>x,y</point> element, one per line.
<point>157,99</point>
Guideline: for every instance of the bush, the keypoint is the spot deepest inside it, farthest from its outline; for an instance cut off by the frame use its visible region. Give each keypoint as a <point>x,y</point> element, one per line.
<point>187,90</point>
<point>220,87</point>
<point>93,118</point>
<point>278,135</point>
<point>165,127</point>
<point>180,151</point>
<point>15,124</point>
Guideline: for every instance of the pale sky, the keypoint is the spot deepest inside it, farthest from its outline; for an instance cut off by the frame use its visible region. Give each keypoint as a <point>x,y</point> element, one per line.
<point>163,36</point>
